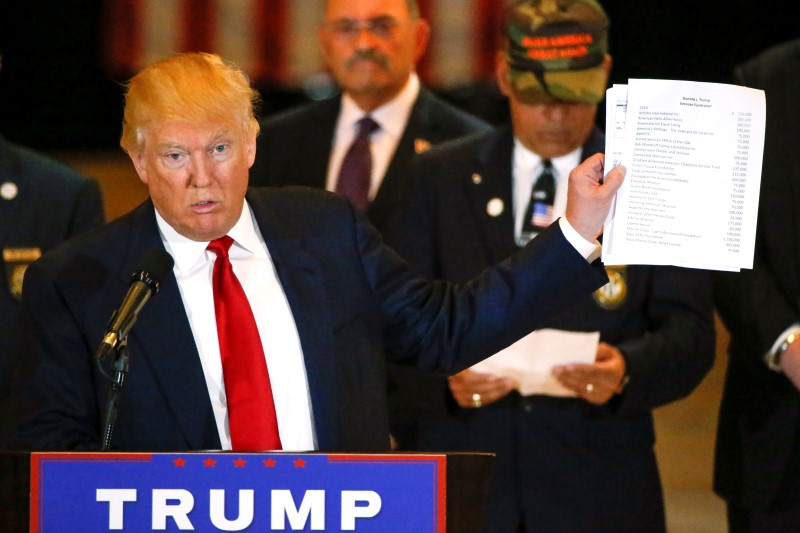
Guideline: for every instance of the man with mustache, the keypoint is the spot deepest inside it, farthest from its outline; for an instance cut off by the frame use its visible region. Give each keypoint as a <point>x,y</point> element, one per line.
<point>574,454</point>
<point>371,48</point>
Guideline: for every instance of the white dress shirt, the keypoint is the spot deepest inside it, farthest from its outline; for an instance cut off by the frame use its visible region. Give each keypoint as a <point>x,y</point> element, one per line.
<point>254,268</point>
<point>526,167</point>
<point>392,118</point>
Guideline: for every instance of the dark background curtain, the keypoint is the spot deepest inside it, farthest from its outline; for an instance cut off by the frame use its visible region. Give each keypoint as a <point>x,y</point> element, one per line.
<point>56,93</point>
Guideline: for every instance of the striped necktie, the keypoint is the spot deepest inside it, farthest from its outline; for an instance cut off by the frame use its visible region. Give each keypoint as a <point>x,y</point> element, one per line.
<point>355,175</point>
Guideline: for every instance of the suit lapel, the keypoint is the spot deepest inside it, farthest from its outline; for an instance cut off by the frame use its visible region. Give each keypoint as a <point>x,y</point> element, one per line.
<point>421,124</point>
<point>489,191</point>
<point>306,169</point>
<point>164,341</point>
<point>300,275</point>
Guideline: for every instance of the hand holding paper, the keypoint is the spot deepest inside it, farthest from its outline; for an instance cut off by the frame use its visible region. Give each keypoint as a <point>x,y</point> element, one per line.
<point>596,382</point>
<point>476,389</point>
<point>590,195</point>
<point>529,360</point>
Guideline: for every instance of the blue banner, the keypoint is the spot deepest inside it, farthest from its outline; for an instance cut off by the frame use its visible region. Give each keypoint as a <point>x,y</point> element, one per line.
<point>90,492</point>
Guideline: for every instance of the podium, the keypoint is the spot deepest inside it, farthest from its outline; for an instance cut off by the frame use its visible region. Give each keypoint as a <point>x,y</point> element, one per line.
<point>227,491</point>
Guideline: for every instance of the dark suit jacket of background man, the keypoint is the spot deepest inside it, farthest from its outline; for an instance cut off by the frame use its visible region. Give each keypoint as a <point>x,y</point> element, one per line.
<point>52,203</point>
<point>601,457</point>
<point>351,297</point>
<point>758,442</point>
<point>294,147</point>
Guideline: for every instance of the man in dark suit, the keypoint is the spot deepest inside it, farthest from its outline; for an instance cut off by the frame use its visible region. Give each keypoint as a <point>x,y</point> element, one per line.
<point>327,297</point>
<point>757,463</point>
<point>575,452</point>
<point>42,203</point>
<point>371,47</point>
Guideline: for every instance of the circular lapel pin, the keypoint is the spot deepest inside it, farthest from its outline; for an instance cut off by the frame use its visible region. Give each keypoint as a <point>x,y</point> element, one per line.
<point>495,207</point>
<point>9,190</point>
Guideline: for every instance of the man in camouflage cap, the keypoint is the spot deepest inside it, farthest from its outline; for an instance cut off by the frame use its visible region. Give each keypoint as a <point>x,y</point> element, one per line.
<point>574,453</point>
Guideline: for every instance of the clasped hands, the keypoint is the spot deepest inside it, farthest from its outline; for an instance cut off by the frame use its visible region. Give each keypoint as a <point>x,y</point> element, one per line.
<point>596,383</point>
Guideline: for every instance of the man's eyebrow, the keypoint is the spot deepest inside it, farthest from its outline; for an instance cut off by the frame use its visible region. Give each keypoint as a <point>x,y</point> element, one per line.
<point>169,144</point>
<point>218,135</point>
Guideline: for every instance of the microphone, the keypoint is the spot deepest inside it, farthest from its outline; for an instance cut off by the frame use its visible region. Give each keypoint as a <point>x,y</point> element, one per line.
<point>145,282</point>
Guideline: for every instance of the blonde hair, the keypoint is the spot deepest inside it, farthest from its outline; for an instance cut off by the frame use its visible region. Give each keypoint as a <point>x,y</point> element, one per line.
<point>192,87</point>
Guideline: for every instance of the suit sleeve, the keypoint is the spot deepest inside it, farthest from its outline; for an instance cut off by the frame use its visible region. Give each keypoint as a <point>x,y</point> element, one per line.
<point>446,327</point>
<point>56,409</point>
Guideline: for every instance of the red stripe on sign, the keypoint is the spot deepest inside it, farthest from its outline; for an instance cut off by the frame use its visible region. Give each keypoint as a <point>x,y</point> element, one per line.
<point>121,37</point>
<point>199,25</point>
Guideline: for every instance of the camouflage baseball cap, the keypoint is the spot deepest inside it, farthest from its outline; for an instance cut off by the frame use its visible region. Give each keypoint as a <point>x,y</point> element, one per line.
<point>555,49</point>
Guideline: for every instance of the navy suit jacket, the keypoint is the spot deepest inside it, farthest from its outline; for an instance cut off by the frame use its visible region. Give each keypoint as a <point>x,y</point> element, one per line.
<point>352,298</point>
<point>556,457</point>
<point>52,203</point>
<point>294,147</point>
<point>758,443</point>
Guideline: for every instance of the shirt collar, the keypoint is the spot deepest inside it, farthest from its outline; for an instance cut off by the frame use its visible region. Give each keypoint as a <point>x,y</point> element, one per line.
<point>391,116</point>
<point>188,254</point>
<point>528,161</point>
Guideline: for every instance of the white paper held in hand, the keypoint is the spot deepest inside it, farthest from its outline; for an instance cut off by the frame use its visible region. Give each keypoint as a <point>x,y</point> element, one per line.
<point>529,360</point>
<point>693,153</point>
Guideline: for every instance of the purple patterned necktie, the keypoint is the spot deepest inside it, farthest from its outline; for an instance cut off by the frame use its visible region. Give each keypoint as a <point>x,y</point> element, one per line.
<point>355,173</point>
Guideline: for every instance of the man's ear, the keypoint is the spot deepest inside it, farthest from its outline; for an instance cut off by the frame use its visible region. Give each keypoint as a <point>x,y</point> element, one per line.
<point>423,35</point>
<point>250,147</point>
<point>503,73</point>
<point>607,62</point>
<point>137,158</point>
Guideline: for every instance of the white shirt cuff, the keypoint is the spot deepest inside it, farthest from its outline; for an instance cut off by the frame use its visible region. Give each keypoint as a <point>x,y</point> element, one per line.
<point>589,250</point>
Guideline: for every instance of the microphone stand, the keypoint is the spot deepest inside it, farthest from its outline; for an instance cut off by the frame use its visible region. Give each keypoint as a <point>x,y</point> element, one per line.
<point>120,369</point>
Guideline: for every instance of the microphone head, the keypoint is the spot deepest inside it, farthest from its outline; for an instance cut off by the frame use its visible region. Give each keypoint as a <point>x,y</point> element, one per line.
<point>154,265</point>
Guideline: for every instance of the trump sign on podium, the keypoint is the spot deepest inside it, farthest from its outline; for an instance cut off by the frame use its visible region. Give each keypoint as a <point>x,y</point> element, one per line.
<point>89,492</point>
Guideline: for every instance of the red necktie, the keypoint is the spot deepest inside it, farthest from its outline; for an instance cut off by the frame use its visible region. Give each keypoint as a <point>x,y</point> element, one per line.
<point>356,172</point>
<point>251,409</point>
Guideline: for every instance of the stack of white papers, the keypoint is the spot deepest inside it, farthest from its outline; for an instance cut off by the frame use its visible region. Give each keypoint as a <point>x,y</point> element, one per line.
<point>693,154</point>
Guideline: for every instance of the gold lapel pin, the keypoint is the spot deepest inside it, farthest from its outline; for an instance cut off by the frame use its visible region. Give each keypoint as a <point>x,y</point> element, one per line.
<point>421,145</point>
